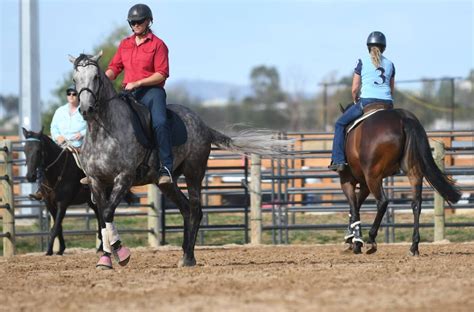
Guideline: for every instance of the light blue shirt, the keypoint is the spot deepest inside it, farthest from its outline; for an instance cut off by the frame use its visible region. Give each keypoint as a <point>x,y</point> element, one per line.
<point>68,125</point>
<point>375,81</point>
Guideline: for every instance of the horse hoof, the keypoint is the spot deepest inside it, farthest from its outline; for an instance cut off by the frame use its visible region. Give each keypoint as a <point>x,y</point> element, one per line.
<point>357,248</point>
<point>415,253</point>
<point>60,253</point>
<point>49,253</point>
<point>105,263</point>
<point>122,255</point>
<point>186,263</point>
<point>372,249</point>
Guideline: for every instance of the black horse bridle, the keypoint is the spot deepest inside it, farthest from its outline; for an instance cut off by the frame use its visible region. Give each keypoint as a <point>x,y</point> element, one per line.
<point>42,168</point>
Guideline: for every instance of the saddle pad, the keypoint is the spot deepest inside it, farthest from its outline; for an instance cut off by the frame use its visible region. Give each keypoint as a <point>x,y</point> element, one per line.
<point>179,135</point>
<point>141,122</point>
<point>359,120</point>
<point>75,154</point>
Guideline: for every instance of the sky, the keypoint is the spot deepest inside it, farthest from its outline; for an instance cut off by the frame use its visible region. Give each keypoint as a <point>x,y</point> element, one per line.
<point>218,40</point>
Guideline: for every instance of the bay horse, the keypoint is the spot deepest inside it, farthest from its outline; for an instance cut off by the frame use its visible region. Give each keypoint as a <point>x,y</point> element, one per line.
<point>386,142</point>
<point>111,156</point>
<point>60,184</point>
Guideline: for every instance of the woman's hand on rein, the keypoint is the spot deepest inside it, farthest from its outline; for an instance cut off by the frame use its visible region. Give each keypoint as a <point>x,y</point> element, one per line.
<point>132,86</point>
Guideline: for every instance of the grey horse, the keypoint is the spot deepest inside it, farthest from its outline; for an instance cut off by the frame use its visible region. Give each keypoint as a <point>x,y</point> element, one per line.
<point>111,155</point>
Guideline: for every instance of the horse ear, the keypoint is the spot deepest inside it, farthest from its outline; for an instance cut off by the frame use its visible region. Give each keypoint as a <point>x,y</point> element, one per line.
<point>41,131</point>
<point>25,132</point>
<point>72,59</point>
<point>95,58</point>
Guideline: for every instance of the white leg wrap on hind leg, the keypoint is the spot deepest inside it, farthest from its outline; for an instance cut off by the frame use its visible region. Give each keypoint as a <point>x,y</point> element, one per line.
<point>112,233</point>
<point>105,241</point>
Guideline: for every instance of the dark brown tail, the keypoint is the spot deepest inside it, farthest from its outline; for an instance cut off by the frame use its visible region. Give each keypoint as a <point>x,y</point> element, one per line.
<point>419,151</point>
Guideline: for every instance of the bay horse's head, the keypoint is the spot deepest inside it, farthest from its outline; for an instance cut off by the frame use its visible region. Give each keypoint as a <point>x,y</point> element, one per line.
<point>87,77</point>
<point>34,153</point>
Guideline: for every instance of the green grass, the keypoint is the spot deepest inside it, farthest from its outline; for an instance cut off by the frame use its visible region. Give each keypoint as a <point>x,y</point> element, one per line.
<point>32,244</point>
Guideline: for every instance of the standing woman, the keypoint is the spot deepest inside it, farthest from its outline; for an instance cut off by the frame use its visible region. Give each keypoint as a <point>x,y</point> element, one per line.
<point>374,77</point>
<point>144,58</point>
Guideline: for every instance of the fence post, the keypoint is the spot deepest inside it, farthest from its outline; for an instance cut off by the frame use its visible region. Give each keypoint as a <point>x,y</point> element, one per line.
<point>154,211</point>
<point>6,186</point>
<point>439,226</point>
<point>255,200</point>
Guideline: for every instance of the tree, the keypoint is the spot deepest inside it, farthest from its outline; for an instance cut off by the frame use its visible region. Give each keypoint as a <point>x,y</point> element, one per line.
<point>9,104</point>
<point>266,85</point>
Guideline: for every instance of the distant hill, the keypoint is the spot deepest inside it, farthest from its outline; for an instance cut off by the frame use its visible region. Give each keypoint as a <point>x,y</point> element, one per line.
<point>209,90</point>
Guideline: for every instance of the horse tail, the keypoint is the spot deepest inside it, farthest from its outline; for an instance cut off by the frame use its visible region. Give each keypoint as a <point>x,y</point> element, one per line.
<point>419,154</point>
<point>252,141</point>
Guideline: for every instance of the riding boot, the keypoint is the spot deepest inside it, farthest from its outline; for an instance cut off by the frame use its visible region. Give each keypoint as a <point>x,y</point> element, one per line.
<point>165,176</point>
<point>36,196</point>
<point>337,167</point>
<point>85,180</point>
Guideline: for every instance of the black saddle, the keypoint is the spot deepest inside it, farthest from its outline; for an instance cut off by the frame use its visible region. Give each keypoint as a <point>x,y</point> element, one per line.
<point>141,122</point>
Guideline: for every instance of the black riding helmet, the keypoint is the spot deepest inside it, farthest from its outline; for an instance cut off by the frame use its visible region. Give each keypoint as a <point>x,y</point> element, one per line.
<point>139,12</point>
<point>377,39</point>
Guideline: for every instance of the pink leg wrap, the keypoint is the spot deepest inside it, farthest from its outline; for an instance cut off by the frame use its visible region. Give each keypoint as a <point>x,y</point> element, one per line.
<point>104,263</point>
<point>122,255</point>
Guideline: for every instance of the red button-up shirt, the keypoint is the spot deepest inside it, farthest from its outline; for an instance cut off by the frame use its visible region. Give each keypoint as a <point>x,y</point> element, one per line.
<point>141,61</point>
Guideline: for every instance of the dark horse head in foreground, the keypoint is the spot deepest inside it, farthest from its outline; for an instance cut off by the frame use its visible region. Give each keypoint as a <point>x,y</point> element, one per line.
<point>60,181</point>
<point>111,156</point>
<point>382,145</point>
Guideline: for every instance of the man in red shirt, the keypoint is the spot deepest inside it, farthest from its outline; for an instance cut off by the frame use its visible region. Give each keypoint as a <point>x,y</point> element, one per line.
<point>144,57</point>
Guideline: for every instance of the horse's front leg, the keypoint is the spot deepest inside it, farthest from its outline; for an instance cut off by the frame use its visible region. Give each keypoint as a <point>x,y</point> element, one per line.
<point>99,228</point>
<point>57,230</point>
<point>122,184</point>
<point>99,194</point>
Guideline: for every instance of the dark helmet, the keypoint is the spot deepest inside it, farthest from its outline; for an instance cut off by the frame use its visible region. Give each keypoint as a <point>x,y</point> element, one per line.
<point>71,88</point>
<point>376,38</point>
<point>139,12</point>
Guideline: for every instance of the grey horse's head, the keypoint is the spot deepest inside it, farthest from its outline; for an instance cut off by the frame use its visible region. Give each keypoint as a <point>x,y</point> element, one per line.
<point>88,81</point>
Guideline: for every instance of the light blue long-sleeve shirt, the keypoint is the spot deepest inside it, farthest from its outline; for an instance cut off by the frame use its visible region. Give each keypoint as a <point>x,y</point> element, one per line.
<point>68,125</point>
<point>375,81</point>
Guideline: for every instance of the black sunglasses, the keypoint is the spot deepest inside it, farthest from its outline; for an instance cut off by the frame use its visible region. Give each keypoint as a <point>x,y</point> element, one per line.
<point>139,22</point>
<point>72,93</point>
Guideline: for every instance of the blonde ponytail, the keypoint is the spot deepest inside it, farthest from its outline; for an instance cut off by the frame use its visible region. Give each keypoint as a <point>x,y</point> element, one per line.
<point>375,56</point>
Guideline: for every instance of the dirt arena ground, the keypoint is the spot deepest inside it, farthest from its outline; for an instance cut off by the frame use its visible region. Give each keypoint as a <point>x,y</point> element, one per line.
<point>245,278</point>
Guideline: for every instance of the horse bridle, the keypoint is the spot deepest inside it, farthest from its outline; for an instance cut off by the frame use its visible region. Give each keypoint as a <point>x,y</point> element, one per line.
<point>44,169</point>
<point>95,105</point>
